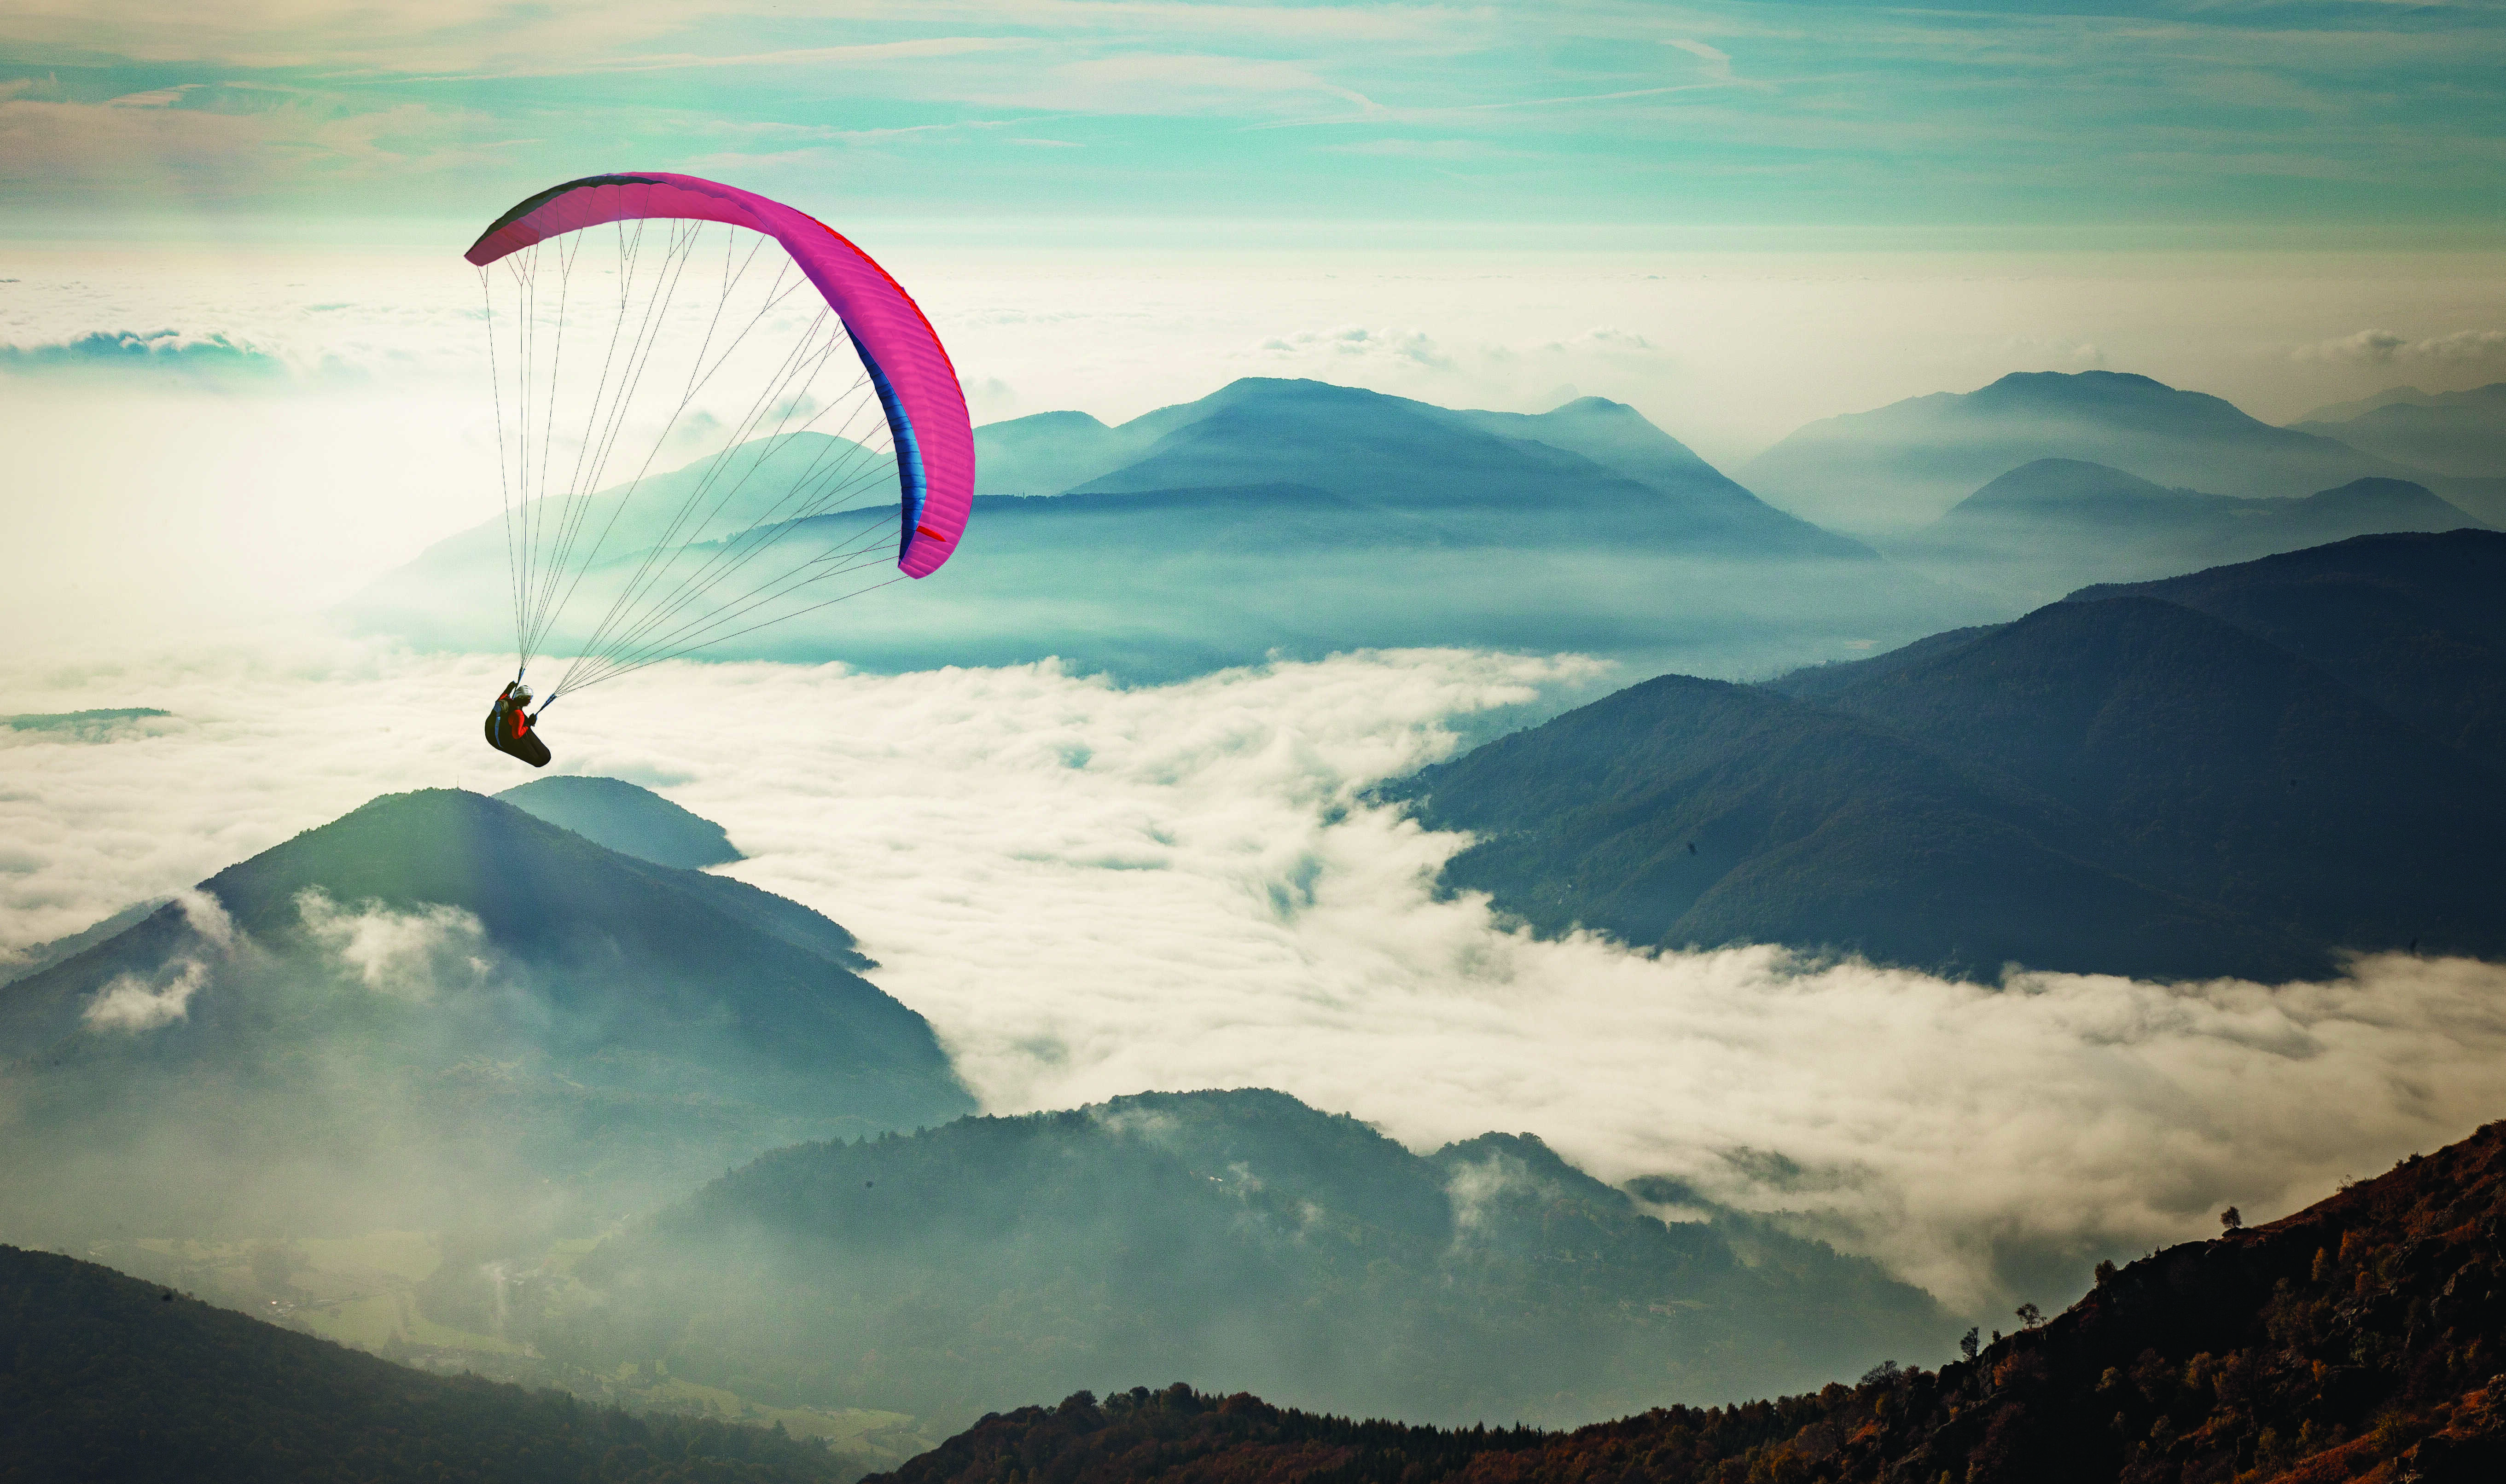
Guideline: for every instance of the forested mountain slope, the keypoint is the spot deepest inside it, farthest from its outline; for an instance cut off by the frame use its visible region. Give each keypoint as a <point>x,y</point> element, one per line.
<point>1234,1239</point>
<point>2237,772</point>
<point>2355,1340</point>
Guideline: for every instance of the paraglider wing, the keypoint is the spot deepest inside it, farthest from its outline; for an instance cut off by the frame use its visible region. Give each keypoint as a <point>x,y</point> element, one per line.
<point>916,386</point>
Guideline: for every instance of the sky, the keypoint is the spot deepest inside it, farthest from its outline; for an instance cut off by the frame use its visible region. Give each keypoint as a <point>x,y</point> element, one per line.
<point>1558,122</point>
<point>241,376</point>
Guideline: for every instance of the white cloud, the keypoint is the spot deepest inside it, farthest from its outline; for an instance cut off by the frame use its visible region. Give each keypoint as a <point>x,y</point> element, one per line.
<point>2385,347</point>
<point>408,955</point>
<point>133,1003</point>
<point>1330,351</point>
<point>1094,891</point>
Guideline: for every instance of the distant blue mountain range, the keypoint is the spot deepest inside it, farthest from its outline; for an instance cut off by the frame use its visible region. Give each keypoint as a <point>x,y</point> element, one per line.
<point>1902,466</point>
<point>1292,519</point>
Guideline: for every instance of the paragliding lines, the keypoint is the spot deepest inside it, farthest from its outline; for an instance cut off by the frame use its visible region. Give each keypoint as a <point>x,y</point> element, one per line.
<point>742,540</point>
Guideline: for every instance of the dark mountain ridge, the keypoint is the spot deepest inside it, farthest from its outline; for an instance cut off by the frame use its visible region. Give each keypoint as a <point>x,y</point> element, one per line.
<point>2353,1340</point>
<point>2238,772</point>
<point>105,1378</point>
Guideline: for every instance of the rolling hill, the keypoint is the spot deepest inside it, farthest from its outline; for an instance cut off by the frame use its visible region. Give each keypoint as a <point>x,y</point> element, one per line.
<point>432,1004</point>
<point>2351,1341</point>
<point>1230,1238</point>
<point>2234,773</point>
<point>1897,467</point>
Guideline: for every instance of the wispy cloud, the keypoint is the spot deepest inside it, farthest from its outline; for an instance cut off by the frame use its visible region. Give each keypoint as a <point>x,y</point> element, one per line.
<point>2385,347</point>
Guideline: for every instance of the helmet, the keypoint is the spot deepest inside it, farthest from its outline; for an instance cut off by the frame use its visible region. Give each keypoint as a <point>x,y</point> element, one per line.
<point>521,693</point>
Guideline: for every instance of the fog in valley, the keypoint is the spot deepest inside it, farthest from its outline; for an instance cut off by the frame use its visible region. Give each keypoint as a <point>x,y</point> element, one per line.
<point>1093,890</point>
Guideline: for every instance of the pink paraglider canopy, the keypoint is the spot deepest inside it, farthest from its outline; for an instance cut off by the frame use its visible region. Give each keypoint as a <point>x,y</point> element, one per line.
<point>918,386</point>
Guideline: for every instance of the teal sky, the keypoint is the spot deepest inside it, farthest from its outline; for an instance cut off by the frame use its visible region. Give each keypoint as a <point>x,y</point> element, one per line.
<point>2236,123</point>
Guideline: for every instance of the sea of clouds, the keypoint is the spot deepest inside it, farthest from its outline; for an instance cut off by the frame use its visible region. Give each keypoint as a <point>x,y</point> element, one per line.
<point>1091,890</point>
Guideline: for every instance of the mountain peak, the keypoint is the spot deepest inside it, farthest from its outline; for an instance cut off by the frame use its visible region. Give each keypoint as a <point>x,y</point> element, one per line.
<point>1903,465</point>
<point>632,820</point>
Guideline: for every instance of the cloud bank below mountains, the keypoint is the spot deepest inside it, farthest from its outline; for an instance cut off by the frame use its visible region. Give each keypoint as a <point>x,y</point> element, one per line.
<point>1094,891</point>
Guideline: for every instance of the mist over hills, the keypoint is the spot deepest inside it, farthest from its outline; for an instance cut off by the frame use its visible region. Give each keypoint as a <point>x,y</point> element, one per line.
<point>1231,1238</point>
<point>2055,524</point>
<point>1300,519</point>
<point>434,1002</point>
<point>2349,1341</point>
<point>108,1379</point>
<point>2453,433</point>
<point>2237,772</point>
<point>1905,465</point>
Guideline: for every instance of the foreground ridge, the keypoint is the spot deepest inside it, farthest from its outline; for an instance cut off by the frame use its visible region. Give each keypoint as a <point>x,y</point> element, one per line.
<point>2355,1340</point>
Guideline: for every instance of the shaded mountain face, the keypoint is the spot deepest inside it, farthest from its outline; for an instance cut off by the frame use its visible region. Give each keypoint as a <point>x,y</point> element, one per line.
<point>1301,518</point>
<point>2455,433</point>
<point>2236,773</point>
<point>637,822</point>
<point>2351,1341</point>
<point>1905,465</point>
<point>2050,526</point>
<point>106,1378</point>
<point>1230,1238</point>
<point>433,1005</point>
<point>2411,623</point>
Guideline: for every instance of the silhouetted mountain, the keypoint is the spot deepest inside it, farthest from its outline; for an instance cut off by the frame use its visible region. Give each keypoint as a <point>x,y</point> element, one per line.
<point>2349,1341</point>
<point>1296,518</point>
<point>436,1000</point>
<point>617,814</point>
<point>2291,758</point>
<point>107,1379</point>
<point>2047,527</point>
<point>1904,465</point>
<point>1234,1238</point>
<point>2457,433</point>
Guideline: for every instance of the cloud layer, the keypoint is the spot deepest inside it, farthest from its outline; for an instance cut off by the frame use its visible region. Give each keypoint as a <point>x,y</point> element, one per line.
<point>1094,891</point>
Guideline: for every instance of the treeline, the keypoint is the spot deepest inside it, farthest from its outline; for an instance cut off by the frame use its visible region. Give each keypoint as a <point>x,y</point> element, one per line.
<point>104,1378</point>
<point>2355,1340</point>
